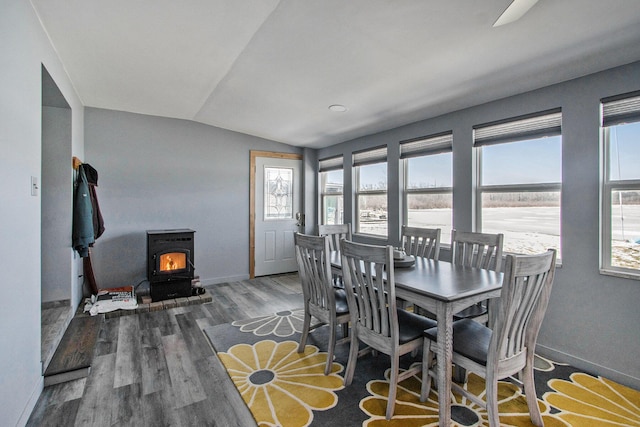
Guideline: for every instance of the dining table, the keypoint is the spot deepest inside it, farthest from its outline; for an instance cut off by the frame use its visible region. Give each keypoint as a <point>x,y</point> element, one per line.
<point>442,288</point>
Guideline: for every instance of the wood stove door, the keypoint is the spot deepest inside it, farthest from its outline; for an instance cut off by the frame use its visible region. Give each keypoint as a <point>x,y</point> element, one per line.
<point>278,194</point>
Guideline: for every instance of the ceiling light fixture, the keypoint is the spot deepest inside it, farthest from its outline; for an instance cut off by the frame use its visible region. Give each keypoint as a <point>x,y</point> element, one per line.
<point>337,108</point>
<point>516,9</point>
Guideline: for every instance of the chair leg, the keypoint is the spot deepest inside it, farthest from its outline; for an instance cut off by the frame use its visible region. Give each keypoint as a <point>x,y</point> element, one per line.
<point>332,347</point>
<point>492,402</point>
<point>393,385</point>
<point>530,393</point>
<point>353,358</point>
<point>427,361</point>
<point>345,330</point>
<point>305,331</point>
<point>459,374</point>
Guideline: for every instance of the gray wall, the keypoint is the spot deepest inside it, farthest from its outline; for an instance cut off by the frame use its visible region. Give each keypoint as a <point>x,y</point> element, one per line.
<point>160,173</point>
<point>310,202</point>
<point>24,48</point>
<point>592,319</point>
<point>57,193</point>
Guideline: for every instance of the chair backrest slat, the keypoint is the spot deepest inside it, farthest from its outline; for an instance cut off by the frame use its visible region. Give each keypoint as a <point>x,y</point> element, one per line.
<point>314,268</point>
<point>422,242</point>
<point>523,302</point>
<point>336,232</point>
<point>370,286</point>
<point>480,250</point>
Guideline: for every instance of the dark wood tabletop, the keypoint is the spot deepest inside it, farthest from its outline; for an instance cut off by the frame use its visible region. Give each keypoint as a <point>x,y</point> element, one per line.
<point>445,281</point>
<point>441,280</point>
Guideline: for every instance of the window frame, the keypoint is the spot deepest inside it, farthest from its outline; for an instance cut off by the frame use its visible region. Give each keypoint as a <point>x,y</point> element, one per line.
<point>329,164</point>
<point>368,157</point>
<point>431,145</point>
<point>517,134</point>
<point>611,117</point>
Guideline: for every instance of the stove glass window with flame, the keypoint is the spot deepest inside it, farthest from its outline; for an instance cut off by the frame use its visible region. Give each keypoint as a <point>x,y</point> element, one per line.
<point>172,262</point>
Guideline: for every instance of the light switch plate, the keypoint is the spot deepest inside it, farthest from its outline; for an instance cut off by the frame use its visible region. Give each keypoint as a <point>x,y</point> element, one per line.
<point>34,186</point>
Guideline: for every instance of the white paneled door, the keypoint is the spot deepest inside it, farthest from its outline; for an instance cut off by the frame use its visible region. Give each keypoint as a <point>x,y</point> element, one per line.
<point>278,193</point>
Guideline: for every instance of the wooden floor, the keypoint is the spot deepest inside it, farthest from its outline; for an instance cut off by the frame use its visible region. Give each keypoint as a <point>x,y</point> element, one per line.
<point>158,369</point>
<point>73,357</point>
<point>55,317</point>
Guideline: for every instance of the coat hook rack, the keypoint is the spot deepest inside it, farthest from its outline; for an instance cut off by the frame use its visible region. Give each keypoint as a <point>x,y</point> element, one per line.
<point>76,162</point>
<point>86,261</point>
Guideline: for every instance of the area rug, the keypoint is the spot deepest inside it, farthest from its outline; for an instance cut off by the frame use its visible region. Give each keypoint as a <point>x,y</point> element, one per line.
<point>285,388</point>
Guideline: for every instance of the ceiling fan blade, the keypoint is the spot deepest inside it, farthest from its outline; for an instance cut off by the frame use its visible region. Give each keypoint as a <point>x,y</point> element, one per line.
<point>516,9</point>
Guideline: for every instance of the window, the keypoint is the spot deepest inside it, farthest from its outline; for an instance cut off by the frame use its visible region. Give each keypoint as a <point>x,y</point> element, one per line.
<point>428,184</point>
<point>519,180</point>
<point>621,184</point>
<point>278,193</point>
<point>331,190</point>
<point>371,191</point>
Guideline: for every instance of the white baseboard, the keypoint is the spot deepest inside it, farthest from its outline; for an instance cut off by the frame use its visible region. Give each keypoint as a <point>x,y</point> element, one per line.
<point>217,280</point>
<point>31,403</point>
<point>589,367</point>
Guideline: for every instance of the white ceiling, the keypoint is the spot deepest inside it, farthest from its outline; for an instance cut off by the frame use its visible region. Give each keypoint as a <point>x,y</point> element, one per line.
<point>271,68</point>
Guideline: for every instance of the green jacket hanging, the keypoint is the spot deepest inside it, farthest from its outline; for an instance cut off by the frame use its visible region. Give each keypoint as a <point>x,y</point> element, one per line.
<point>83,231</point>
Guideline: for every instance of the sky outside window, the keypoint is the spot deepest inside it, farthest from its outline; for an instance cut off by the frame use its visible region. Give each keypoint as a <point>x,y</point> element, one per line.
<point>625,151</point>
<point>532,161</point>
<point>373,177</point>
<point>430,171</point>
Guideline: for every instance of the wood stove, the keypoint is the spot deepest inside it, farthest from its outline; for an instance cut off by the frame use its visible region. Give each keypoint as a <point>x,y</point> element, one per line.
<point>170,267</point>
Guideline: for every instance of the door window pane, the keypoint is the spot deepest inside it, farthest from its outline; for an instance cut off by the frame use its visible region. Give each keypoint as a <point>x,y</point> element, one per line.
<point>278,193</point>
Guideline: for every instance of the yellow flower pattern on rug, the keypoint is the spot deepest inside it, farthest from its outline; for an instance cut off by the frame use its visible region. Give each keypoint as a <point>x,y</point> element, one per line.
<point>411,412</point>
<point>589,401</point>
<point>281,386</point>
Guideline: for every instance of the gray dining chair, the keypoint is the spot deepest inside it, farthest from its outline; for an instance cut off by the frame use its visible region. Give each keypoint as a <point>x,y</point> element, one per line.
<point>422,242</point>
<point>375,318</point>
<point>506,347</point>
<point>336,232</point>
<point>321,299</point>
<point>480,250</point>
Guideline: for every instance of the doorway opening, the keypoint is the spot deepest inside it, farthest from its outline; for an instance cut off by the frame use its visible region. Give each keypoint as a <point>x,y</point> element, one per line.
<point>275,211</point>
<point>56,195</point>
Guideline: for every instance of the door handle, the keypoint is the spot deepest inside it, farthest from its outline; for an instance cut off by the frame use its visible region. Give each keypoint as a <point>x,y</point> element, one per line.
<point>300,219</point>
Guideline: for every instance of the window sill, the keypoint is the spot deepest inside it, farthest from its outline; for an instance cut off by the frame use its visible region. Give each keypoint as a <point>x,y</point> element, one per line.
<point>366,236</point>
<point>621,274</point>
